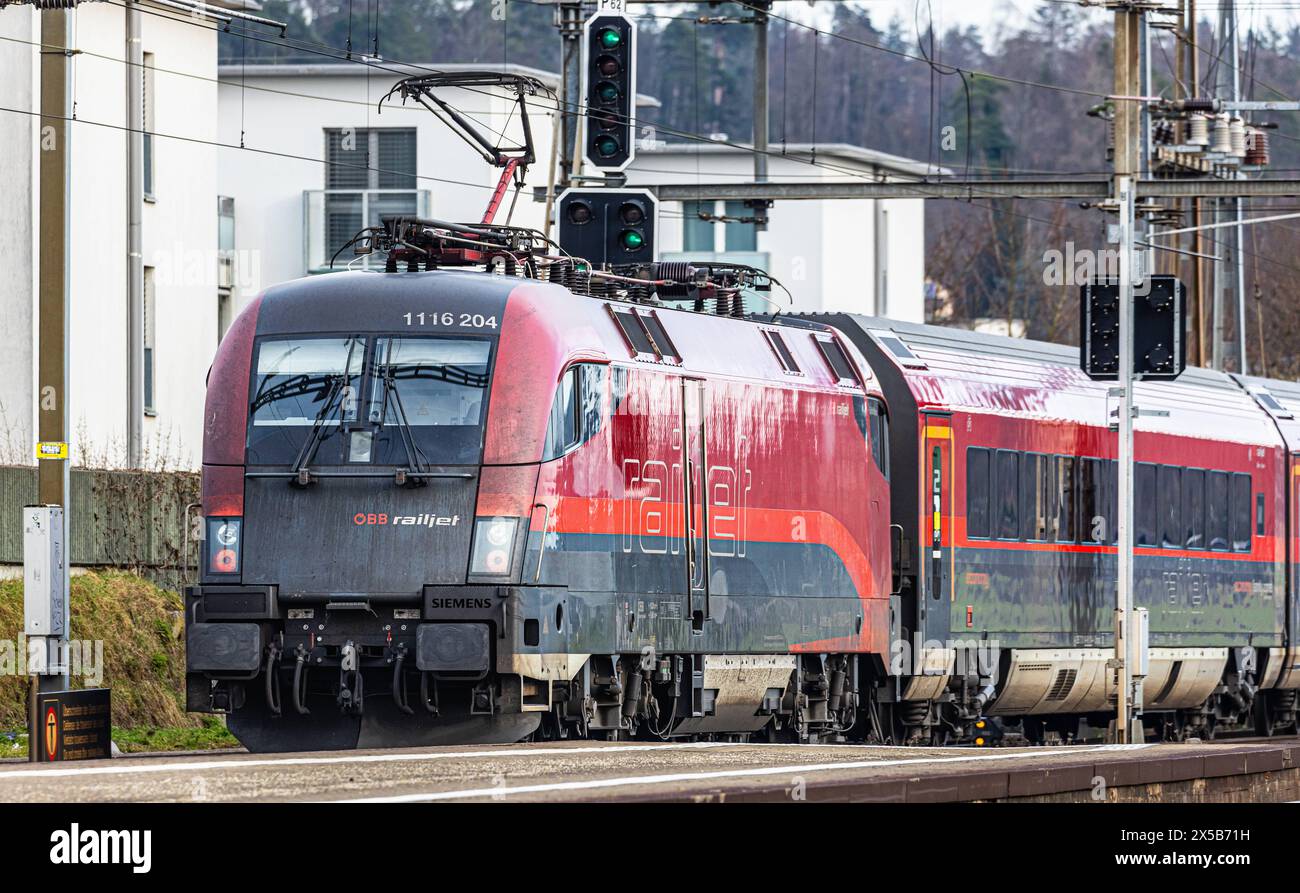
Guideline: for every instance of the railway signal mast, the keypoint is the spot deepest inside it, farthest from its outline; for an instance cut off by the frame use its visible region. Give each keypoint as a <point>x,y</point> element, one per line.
<point>607,224</point>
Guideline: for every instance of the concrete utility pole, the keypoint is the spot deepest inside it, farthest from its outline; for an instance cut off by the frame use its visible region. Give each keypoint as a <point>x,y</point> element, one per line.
<point>52,334</point>
<point>760,104</point>
<point>1129,27</point>
<point>134,228</point>
<point>570,19</point>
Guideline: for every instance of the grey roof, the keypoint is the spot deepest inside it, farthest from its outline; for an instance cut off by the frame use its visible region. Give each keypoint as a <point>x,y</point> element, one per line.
<point>233,71</point>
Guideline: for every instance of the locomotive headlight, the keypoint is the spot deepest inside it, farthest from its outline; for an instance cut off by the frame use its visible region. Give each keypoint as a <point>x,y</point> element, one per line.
<point>494,546</point>
<point>224,542</point>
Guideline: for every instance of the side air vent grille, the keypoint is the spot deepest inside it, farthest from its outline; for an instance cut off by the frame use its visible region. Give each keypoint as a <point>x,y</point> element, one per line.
<point>1061,687</point>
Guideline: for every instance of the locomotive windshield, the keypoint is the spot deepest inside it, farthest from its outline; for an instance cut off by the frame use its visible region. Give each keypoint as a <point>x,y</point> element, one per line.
<point>384,400</point>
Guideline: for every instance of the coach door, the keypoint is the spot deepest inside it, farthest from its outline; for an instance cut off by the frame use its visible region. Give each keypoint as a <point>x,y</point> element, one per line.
<point>937,524</point>
<point>695,501</point>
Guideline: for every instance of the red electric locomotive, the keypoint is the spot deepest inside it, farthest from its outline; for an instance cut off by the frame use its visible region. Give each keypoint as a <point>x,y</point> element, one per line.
<point>455,506</point>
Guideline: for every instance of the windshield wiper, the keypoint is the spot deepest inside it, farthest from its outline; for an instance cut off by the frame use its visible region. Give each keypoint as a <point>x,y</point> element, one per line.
<point>416,470</point>
<point>337,385</point>
<point>302,476</point>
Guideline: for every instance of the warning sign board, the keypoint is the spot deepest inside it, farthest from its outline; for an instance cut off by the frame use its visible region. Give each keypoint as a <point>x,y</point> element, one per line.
<point>74,725</point>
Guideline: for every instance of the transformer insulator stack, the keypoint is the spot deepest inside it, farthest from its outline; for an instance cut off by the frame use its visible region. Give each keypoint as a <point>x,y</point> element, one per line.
<point>1237,135</point>
<point>1221,137</point>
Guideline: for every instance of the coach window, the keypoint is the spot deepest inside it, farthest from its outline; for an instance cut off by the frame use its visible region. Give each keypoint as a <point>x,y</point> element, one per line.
<point>1146,513</point>
<point>1169,480</point>
<point>1239,513</point>
<point>1008,491</point>
<point>1259,514</point>
<point>1216,510</point>
<point>879,433</point>
<point>1092,521</point>
<point>977,492</point>
<point>1193,508</point>
<point>1064,500</point>
<point>1111,504</point>
<point>1035,496</point>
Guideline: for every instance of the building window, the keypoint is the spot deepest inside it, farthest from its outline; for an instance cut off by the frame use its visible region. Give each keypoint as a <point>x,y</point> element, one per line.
<point>147,125</point>
<point>740,236</point>
<point>369,174</point>
<point>697,233</point>
<point>150,305</point>
<point>225,263</point>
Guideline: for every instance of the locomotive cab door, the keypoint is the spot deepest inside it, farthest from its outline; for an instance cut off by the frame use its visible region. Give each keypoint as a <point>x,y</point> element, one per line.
<point>938,500</point>
<point>695,501</point>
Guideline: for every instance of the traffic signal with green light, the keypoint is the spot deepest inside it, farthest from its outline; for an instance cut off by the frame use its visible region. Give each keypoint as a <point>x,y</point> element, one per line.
<point>607,226</point>
<point>609,91</point>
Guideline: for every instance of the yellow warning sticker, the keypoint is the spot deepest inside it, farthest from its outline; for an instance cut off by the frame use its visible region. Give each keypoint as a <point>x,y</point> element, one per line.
<point>52,449</point>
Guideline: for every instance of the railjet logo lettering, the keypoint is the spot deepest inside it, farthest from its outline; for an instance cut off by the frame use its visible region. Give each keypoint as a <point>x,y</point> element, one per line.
<point>380,519</point>
<point>77,847</point>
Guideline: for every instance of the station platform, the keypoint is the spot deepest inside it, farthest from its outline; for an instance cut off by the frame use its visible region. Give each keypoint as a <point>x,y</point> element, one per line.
<point>1255,771</point>
<point>1203,772</point>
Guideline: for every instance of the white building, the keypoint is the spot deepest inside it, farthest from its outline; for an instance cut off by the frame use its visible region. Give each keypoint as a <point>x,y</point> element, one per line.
<point>180,295</point>
<point>855,255</point>
<point>335,162</point>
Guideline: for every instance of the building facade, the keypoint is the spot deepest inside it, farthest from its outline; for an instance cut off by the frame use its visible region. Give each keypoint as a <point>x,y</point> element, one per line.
<point>178,292</point>
<point>851,255</point>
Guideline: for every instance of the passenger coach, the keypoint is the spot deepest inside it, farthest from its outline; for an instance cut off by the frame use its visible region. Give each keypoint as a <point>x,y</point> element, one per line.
<point>1004,483</point>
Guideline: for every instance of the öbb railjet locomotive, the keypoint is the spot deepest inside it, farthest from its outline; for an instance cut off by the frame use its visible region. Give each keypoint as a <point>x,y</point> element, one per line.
<point>450,506</point>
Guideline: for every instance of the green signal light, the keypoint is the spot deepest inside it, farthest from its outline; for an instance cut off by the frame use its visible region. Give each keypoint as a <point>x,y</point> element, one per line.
<point>609,38</point>
<point>606,146</point>
<point>606,92</point>
<point>631,239</point>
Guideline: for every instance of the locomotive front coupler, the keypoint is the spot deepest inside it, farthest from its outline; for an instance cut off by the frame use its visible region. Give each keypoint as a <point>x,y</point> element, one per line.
<point>351,695</point>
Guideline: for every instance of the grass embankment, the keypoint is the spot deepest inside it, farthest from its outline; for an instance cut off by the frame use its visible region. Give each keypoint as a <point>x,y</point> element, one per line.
<point>141,628</point>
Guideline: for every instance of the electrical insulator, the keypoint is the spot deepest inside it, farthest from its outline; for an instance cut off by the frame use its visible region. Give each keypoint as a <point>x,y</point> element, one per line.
<point>1222,141</point>
<point>1256,147</point>
<point>1199,130</point>
<point>1237,132</point>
